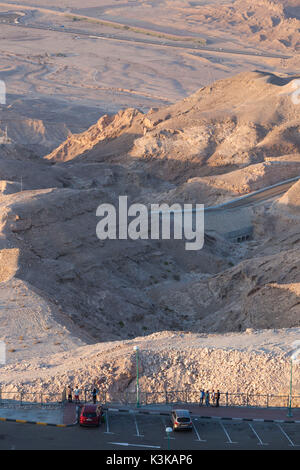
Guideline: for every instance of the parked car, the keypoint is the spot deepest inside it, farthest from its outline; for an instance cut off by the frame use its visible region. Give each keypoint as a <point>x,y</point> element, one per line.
<point>91,415</point>
<point>181,419</point>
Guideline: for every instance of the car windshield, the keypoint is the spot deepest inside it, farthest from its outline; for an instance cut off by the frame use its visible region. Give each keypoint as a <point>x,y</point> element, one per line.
<point>183,420</point>
<point>90,414</point>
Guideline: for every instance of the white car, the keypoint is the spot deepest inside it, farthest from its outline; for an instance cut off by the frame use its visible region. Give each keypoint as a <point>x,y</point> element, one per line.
<point>181,420</point>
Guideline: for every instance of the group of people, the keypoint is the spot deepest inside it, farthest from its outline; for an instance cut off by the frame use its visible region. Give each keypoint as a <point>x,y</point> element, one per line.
<point>206,397</point>
<point>210,398</point>
<point>76,393</point>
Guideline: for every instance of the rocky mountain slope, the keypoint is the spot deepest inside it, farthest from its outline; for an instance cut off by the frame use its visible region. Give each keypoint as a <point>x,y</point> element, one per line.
<point>218,129</point>
<point>269,23</point>
<point>122,288</point>
<point>36,135</point>
<point>228,139</point>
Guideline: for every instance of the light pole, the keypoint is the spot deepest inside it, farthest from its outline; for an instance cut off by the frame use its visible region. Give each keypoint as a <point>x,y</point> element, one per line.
<point>294,358</point>
<point>291,388</point>
<point>136,349</point>
<point>168,431</point>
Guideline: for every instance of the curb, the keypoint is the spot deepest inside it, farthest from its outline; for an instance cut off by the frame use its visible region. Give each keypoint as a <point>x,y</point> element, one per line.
<point>260,420</point>
<point>39,423</point>
<point>146,412</point>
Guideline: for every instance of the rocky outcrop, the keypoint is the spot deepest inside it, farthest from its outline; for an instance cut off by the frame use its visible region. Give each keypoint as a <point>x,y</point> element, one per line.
<point>255,362</point>
<point>217,130</point>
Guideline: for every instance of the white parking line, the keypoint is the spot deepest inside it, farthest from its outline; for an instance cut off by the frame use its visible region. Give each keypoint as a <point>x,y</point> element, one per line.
<point>107,424</point>
<point>260,441</point>
<point>288,437</point>
<point>197,434</point>
<point>126,444</point>
<point>228,437</point>
<point>137,428</point>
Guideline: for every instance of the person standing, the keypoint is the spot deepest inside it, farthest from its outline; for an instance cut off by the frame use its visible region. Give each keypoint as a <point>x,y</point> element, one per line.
<point>213,397</point>
<point>207,398</point>
<point>218,398</point>
<point>94,394</point>
<point>202,395</point>
<point>76,395</point>
<point>69,394</point>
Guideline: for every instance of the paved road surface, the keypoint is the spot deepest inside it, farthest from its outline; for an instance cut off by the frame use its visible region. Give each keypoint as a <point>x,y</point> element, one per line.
<point>165,43</point>
<point>256,197</point>
<point>147,432</point>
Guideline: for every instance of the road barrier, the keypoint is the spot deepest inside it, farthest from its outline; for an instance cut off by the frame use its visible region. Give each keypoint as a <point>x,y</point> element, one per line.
<point>25,399</point>
<point>166,397</point>
<point>192,397</point>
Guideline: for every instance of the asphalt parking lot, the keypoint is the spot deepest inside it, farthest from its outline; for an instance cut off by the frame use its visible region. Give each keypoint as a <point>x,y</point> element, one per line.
<point>147,432</point>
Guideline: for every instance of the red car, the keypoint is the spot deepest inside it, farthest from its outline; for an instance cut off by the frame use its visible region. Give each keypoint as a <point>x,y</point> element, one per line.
<point>91,415</point>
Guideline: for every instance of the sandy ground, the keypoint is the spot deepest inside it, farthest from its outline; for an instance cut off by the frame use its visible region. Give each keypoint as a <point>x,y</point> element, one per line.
<point>72,80</point>
<point>32,325</point>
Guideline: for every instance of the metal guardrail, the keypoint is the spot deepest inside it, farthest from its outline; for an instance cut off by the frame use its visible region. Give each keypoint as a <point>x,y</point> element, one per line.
<point>172,397</point>
<point>224,205</point>
<point>165,397</point>
<point>25,400</point>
